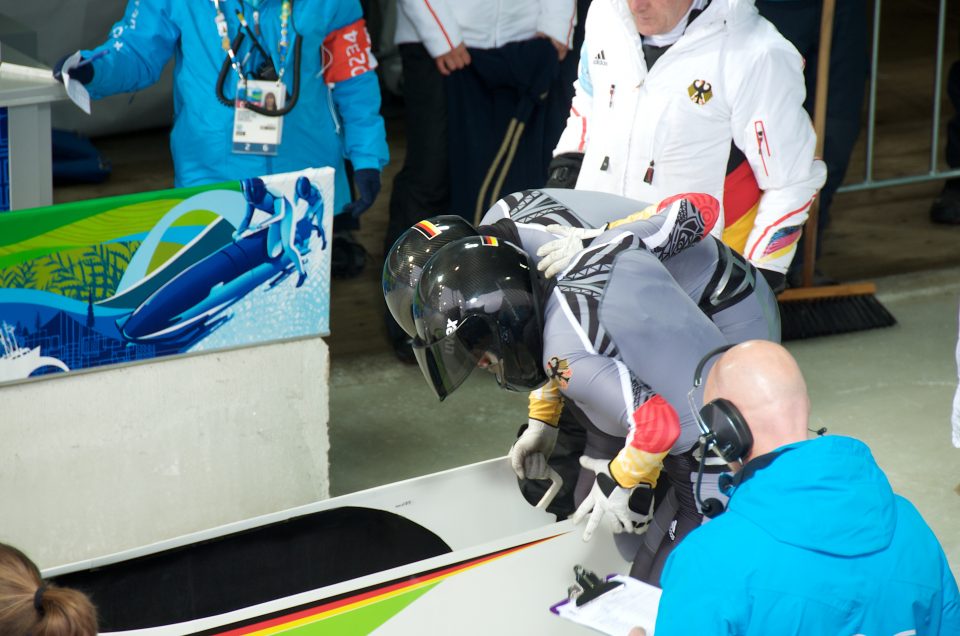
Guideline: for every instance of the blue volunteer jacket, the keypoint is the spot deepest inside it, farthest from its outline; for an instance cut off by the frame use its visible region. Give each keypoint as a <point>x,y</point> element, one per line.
<point>815,543</point>
<point>329,122</point>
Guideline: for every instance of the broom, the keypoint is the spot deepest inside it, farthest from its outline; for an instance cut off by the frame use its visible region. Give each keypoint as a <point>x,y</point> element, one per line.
<point>809,311</point>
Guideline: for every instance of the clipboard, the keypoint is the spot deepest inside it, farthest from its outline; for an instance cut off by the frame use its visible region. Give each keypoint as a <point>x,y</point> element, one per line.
<point>621,604</point>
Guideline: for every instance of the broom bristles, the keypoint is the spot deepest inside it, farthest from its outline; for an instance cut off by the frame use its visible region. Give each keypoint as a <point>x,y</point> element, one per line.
<point>825,315</point>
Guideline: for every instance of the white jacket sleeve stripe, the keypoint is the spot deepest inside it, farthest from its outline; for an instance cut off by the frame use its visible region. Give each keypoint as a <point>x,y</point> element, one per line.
<point>434,23</point>
<point>576,135</point>
<point>583,130</point>
<point>777,223</point>
<point>439,24</point>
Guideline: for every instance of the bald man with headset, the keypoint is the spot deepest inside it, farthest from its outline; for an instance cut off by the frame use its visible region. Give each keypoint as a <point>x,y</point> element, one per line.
<point>813,540</point>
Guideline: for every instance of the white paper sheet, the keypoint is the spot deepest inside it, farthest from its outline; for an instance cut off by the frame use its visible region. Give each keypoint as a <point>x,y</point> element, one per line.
<point>633,604</point>
<point>76,91</point>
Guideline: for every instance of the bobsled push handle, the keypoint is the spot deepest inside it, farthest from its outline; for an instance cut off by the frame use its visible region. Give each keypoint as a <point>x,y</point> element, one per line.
<point>556,482</point>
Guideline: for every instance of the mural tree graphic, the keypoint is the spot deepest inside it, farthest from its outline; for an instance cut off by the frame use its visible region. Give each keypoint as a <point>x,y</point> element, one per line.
<point>96,272</point>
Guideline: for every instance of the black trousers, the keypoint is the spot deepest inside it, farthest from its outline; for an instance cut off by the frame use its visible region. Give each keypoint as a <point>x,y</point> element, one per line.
<point>422,187</point>
<point>489,156</point>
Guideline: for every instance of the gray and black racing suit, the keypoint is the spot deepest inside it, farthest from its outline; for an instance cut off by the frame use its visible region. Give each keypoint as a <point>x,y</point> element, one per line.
<point>623,334</point>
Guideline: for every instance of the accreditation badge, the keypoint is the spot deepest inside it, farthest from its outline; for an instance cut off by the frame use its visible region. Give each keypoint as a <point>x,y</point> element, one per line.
<point>253,133</point>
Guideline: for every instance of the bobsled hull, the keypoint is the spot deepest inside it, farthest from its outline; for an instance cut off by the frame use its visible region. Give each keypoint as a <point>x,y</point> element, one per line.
<point>455,552</point>
<point>185,303</point>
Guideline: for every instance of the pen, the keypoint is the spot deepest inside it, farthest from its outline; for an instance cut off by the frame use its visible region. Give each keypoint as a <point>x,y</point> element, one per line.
<point>95,56</point>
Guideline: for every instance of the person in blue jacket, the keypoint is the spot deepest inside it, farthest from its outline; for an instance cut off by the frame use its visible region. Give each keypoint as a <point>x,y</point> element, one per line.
<point>813,540</point>
<point>315,52</point>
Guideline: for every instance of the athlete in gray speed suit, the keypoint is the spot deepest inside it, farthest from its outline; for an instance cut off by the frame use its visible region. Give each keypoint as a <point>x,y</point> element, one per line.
<point>617,328</point>
<point>661,343</point>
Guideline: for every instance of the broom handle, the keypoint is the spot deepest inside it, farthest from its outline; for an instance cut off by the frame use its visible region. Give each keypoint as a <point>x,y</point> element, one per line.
<point>819,125</point>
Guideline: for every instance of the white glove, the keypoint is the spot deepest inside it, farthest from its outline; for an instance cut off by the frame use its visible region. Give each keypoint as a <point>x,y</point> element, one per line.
<point>609,501</point>
<point>557,253</point>
<point>530,452</point>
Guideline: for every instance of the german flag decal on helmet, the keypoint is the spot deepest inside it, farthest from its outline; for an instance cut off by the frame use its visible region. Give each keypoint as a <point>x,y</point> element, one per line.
<point>428,229</point>
<point>490,240</point>
<point>700,92</point>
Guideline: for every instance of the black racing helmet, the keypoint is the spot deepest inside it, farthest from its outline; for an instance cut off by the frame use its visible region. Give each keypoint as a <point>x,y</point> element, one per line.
<point>405,260</point>
<point>477,298</point>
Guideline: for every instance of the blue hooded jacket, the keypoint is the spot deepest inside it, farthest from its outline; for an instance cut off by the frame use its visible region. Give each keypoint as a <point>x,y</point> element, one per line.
<point>816,543</point>
<point>327,124</point>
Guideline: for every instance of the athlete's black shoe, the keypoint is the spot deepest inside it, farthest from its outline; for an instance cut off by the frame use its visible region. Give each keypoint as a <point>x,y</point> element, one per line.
<point>403,349</point>
<point>347,257</point>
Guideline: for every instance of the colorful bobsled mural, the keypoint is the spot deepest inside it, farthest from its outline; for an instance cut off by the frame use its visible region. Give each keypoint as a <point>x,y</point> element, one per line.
<point>136,277</point>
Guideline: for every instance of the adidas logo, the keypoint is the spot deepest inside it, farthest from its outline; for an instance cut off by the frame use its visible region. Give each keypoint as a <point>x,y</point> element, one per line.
<point>600,58</point>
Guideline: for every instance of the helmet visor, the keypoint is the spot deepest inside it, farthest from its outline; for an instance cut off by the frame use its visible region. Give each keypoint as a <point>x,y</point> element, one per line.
<point>398,295</point>
<point>446,363</point>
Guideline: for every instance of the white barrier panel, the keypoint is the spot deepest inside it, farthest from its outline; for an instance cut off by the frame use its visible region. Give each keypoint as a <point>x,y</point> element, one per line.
<point>109,460</point>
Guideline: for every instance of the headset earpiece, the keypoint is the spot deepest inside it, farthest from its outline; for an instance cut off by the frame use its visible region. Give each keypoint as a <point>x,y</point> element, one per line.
<point>723,428</point>
<point>729,431</point>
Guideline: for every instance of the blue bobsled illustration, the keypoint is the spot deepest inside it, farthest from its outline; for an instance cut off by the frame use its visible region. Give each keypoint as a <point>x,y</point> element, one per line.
<point>192,303</point>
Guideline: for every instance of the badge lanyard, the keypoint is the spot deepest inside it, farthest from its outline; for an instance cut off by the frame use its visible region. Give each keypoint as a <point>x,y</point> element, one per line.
<point>257,127</point>
<point>282,48</point>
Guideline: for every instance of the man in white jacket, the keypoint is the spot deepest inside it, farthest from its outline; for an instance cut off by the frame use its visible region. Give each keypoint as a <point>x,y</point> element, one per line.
<point>433,37</point>
<point>671,92</point>
<point>447,27</point>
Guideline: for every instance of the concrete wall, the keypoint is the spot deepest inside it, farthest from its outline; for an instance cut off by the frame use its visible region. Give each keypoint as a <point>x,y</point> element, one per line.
<point>102,461</point>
